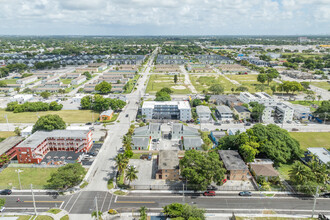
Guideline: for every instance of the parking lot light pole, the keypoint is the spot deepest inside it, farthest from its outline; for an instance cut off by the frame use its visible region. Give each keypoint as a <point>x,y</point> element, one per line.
<point>19,179</point>
<point>183,192</point>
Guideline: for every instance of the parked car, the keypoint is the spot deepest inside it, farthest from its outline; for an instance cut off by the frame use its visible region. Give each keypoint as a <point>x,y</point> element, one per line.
<point>212,188</point>
<point>247,124</point>
<point>326,195</point>
<point>217,123</point>
<point>126,115</point>
<point>89,123</point>
<point>245,193</point>
<point>144,156</point>
<point>295,129</point>
<point>150,156</point>
<point>5,192</point>
<point>97,123</point>
<point>209,193</point>
<point>121,149</point>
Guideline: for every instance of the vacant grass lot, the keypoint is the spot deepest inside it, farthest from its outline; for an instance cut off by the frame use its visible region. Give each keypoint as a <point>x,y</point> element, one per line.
<point>284,170</point>
<point>203,82</point>
<point>69,116</point>
<point>322,85</point>
<point>5,134</point>
<point>272,218</point>
<point>66,81</point>
<point>36,176</point>
<point>312,139</point>
<point>157,82</point>
<point>250,81</point>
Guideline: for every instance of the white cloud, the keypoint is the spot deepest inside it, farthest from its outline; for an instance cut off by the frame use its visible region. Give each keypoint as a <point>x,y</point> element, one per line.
<point>177,16</point>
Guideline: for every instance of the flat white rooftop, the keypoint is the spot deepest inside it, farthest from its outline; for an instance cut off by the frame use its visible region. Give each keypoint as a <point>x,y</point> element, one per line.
<point>180,104</point>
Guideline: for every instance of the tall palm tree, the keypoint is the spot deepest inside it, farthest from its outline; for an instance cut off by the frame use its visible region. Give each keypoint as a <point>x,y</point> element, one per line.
<point>131,174</point>
<point>298,172</point>
<point>143,212</point>
<point>121,162</point>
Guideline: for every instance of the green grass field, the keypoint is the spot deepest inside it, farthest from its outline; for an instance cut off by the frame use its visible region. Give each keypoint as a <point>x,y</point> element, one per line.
<point>69,116</point>
<point>36,176</point>
<point>312,139</point>
<point>66,81</point>
<point>250,81</point>
<point>158,81</point>
<point>322,85</point>
<point>203,82</point>
<point>5,134</point>
<point>284,170</point>
<point>272,218</point>
<point>10,81</point>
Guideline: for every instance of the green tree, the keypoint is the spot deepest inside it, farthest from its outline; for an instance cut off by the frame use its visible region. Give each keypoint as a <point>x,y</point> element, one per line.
<point>262,77</point>
<point>143,213</point>
<point>196,102</point>
<point>162,96</point>
<point>103,87</point>
<point>167,90</point>
<point>323,110</point>
<point>175,79</point>
<point>95,214</point>
<point>200,169</point>
<point>49,123</point>
<point>17,131</point>
<point>117,104</point>
<point>130,174</point>
<point>121,162</point>
<point>100,103</point>
<point>183,212</point>
<point>86,102</point>
<point>4,158</point>
<point>67,176</point>
<point>257,111</point>
<point>216,89</point>
<point>45,95</point>
<point>54,106</point>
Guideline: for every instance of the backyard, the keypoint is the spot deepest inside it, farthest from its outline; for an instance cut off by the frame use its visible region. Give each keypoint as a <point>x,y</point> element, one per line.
<point>69,116</point>
<point>36,176</point>
<point>158,81</point>
<point>312,139</point>
<point>250,81</point>
<point>203,82</point>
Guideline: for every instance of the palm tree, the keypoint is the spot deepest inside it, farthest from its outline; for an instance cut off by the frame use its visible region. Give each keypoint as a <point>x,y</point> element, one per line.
<point>319,97</point>
<point>298,172</point>
<point>131,174</point>
<point>143,212</point>
<point>121,162</point>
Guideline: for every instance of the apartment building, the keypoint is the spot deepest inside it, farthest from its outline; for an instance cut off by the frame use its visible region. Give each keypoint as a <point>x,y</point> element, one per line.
<point>203,112</point>
<point>235,166</point>
<point>176,110</point>
<point>27,80</point>
<point>224,113</point>
<point>36,146</point>
<point>78,80</point>
<point>168,165</point>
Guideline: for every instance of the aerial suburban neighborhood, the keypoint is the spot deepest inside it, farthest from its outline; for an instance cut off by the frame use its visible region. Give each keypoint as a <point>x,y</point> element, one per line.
<point>190,110</point>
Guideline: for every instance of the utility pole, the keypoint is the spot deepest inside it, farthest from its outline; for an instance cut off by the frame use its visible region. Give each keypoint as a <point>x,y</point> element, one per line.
<point>19,179</point>
<point>34,202</point>
<point>97,211</point>
<point>6,117</point>
<point>315,197</point>
<point>325,116</point>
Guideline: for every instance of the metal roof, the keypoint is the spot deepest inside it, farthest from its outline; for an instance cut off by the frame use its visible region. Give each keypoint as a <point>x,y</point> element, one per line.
<point>222,109</point>
<point>322,154</point>
<point>8,143</point>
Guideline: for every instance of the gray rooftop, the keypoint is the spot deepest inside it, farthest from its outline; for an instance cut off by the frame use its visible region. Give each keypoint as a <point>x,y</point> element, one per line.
<point>203,109</point>
<point>168,159</point>
<point>241,109</point>
<point>8,143</point>
<point>322,154</point>
<point>192,142</point>
<point>223,109</point>
<point>140,141</point>
<point>107,112</point>
<point>185,130</point>
<point>232,160</point>
<point>39,136</point>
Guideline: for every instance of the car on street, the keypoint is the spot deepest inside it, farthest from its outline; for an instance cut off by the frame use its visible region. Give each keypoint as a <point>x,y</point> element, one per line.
<point>217,123</point>
<point>247,124</point>
<point>295,129</point>
<point>326,195</point>
<point>245,193</point>
<point>121,149</point>
<point>5,192</point>
<point>88,123</point>
<point>126,115</point>
<point>209,193</point>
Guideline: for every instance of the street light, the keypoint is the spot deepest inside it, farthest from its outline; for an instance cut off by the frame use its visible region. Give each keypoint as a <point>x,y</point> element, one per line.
<point>19,179</point>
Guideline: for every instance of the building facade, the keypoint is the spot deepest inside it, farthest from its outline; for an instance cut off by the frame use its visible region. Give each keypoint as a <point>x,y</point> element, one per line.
<point>176,110</point>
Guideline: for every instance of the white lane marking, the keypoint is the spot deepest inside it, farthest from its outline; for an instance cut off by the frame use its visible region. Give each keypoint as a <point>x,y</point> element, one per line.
<point>116,199</point>
<point>68,202</point>
<point>276,210</point>
<point>104,201</point>
<point>14,208</point>
<point>110,202</point>
<point>61,205</point>
<point>75,202</point>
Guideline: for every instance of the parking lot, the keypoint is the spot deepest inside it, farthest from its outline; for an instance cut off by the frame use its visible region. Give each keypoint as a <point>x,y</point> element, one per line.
<point>147,171</point>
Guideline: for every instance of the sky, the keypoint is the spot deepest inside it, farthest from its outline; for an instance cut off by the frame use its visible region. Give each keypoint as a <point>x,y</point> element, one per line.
<point>164,17</point>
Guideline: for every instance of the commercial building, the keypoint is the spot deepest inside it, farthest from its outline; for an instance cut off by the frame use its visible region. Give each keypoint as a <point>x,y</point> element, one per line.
<point>7,146</point>
<point>301,112</point>
<point>224,113</point>
<point>203,112</point>
<point>106,115</point>
<point>235,166</point>
<point>36,146</point>
<point>168,165</point>
<point>176,110</point>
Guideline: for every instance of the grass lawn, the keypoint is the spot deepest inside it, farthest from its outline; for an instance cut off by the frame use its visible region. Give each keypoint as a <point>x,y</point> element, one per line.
<point>158,81</point>
<point>284,170</point>
<point>54,211</point>
<point>271,218</point>
<point>250,81</point>
<point>203,82</point>
<point>43,217</point>
<point>5,134</point>
<point>69,116</point>
<point>10,81</point>
<point>138,155</point>
<point>322,85</point>
<point>312,139</point>
<point>66,217</point>
<point>36,176</point>
<point>306,103</point>
<point>66,81</point>
<point>110,184</point>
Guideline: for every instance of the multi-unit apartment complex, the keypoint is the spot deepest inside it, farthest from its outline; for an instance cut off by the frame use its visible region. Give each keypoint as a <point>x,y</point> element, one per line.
<point>35,147</point>
<point>176,110</point>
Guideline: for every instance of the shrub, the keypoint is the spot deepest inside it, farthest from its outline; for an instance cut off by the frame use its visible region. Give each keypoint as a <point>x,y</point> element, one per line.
<point>112,212</point>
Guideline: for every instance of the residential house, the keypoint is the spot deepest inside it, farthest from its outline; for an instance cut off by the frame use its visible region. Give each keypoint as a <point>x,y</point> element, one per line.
<point>192,143</point>
<point>152,131</point>
<point>242,112</point>
<point>204,113</point>
<point>140,143</point>
<point>322,154</point>
<point>168,165</point>
<point>263,168</point>
<point>235,166</point>
<point>106,115</point>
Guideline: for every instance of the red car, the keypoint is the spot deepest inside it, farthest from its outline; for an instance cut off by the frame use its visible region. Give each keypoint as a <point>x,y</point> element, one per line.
<point>209,193</point>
